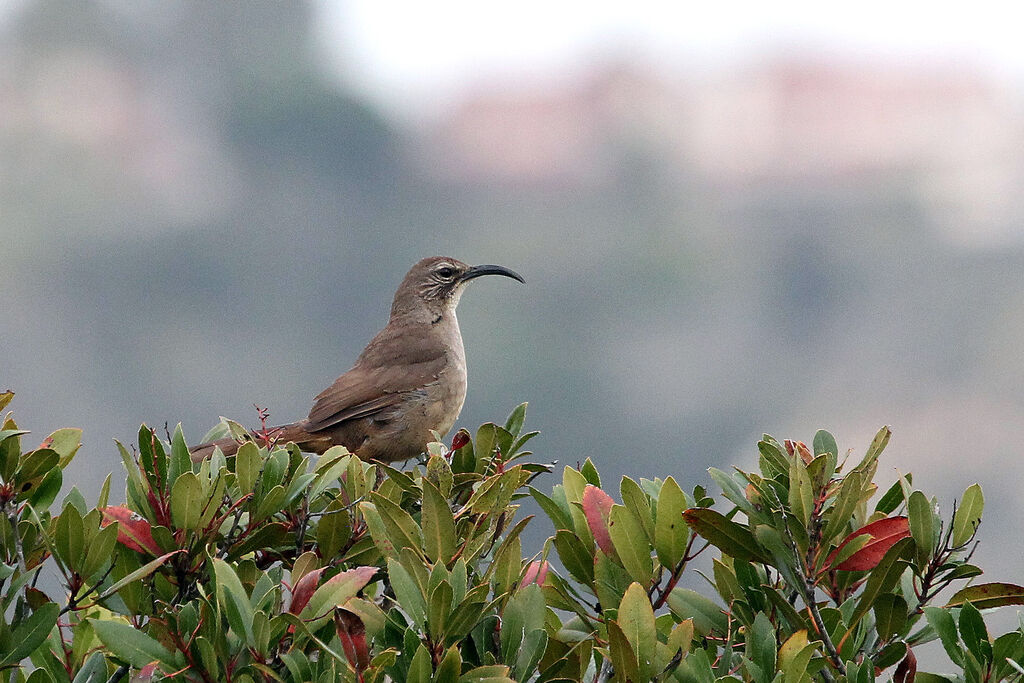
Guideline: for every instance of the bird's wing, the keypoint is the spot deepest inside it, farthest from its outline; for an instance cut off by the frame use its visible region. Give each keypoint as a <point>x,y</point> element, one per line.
<point>369,389</point>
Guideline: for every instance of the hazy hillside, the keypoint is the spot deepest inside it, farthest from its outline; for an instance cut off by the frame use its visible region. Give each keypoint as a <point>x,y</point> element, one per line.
<point>197,217</point>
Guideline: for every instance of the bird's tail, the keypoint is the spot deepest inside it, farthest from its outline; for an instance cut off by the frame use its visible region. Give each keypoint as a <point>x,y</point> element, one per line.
<point>294,432</point>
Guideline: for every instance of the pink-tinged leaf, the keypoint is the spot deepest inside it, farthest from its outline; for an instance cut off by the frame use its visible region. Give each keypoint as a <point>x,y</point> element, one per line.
<point>352,634</point>
<point>884,535</point>
<point>146,673</point>
<point>336,591</point>
<point>303,590</point>
<point>597,506</point>
<point>133,530</point>
<point>535,573</point>
<point>799,447</point>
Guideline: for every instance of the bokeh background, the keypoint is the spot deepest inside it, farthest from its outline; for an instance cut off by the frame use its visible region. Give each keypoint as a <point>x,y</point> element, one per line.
<point>731,221</point>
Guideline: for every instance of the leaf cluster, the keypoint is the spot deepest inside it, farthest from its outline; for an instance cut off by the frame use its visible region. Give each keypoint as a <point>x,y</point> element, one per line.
<point>272,565</point>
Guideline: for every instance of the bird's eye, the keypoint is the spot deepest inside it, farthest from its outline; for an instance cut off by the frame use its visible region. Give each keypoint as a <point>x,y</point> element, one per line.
<point>446,272</point>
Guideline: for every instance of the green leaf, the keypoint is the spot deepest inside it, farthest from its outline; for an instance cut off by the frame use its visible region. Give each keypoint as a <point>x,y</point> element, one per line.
<point>233,599</point>
<point>725,534</point>
<point>333,531</point>
<point>439,473</point>
<point>989,595</point>
<point>890,615</point>
<point>590,473</point>
<point>942,622</point>
<point>801,491</point>
<point>514,423</point>
<point>893,498</point>
<point>968,515</point>
<point>140,573</point>
<point>575,556</point>
<point>487,674</point>
<point>248,464</point>
<point>732,490</point>
<point>761,648</point>
<point>559,517</point>
<point>420,669</point>
<point>631,544</point>
<point>439,537</point>
<point>402,530</point>
<point>181,461</point>
<point>925,677</point>
<point>524,617</point>
<point>45,492</point>
<point>101,550</point>
<point>133,646</point>
<point>439,608</point>
<point>824,442</point>
<point>921,515</point>
<point>624,659</point>
<point>636,619</point>
<point>69,540</point>
<point>93,671</point>
<point>795,656</point>
<point>635,500</point>
<point>881,579</point>
<point>689,604</point>
<point>271,502</point>
<point>671,532</point>
<point>483,444</point>
<point>30,634</point>
<point>33,466</point>
<point>875,449</point>
<point>974,634</point>
<point>506,566</point>
<point>187,501</point>
<point>851,491</point>
<point>450,667</point>
<point>408,593</point>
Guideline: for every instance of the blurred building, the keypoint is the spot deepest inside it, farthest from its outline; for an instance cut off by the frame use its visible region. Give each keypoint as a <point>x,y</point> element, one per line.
<point>953,132</point>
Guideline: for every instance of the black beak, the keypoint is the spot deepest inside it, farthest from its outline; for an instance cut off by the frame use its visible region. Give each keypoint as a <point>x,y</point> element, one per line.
<point>477,271</point>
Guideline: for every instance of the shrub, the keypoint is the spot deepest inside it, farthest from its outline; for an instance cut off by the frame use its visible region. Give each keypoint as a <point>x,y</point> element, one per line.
<point>271,565</point>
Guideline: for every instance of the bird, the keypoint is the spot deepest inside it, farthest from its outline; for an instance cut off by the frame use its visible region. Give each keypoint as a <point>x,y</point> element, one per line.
<point>410,379</point>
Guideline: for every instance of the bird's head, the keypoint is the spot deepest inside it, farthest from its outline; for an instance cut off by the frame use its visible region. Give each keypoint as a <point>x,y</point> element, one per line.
<point>438,282</point>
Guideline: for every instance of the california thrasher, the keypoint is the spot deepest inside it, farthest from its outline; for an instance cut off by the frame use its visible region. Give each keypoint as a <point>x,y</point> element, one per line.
<point>410,379</point>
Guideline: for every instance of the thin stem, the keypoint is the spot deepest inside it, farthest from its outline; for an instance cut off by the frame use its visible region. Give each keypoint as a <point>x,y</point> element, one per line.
<point>807,593</point>
<point>12,517</point>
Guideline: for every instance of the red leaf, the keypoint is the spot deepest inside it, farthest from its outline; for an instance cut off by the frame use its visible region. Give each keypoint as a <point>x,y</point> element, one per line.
<point>304,589</point>
<point>907,669</point>
<point>460,439</point>
<point>535,573</point>
<point>133,530</point>
<point>884,534</point>
<point>352,634</point>
<point>596,507</point>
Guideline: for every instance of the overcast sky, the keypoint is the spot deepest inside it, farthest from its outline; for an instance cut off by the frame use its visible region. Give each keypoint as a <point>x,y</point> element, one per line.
<point>407,49</point>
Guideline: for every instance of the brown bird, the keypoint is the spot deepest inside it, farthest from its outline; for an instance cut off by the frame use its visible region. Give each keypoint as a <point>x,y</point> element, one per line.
<point>410,379</point>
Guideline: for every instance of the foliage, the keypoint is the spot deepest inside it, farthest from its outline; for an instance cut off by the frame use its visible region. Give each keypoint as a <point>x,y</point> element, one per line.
<point>271,565</point>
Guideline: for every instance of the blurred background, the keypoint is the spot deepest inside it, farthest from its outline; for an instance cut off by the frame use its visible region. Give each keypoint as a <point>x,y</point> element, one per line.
<point>731,221</point>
